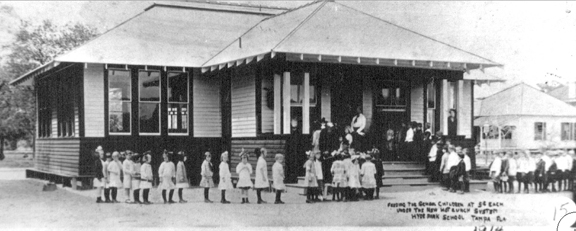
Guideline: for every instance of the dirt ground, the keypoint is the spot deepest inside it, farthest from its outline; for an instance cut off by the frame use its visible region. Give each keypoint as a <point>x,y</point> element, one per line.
<point>25,205</point>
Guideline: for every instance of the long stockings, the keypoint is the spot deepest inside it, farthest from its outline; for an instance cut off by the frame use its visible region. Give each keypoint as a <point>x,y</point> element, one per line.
<point>145,194</point>
<point>107,194</point>
<point>180,194</point>
<point>114,193</point>
<point>206,193</point>
<point>278,195</point>
<point>136,193</point>
<point>170,195</point>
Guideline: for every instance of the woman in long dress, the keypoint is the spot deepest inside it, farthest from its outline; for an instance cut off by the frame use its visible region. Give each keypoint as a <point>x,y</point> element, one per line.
<point>244,170</point>
<point>225,177</point>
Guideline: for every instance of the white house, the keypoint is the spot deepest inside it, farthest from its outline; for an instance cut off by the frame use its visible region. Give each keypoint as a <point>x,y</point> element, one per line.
<point>522,117</point>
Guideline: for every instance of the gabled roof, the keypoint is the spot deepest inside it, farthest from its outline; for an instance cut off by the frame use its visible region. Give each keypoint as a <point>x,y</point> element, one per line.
<point>332,29</point>
<point>522,99</point>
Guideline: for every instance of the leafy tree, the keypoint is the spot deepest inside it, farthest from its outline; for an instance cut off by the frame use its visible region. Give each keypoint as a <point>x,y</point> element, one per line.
<point>34,46</point>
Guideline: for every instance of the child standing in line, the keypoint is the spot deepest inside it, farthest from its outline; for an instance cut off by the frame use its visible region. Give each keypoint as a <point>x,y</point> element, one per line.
<point>444,170</point>
<point>495,167</point>
<point>310,181</point>
<point>206,172</point>
<point>353,173</point>
<point>225,177</point>
<point>319,176</point>
<point>504,172</point>
<point>114,171</point>
<point>107,178</point>
<point>136,177</point>
<point>261,181</point>
<point>278,177</point>
<point>127,168</point>
<point>377,160</point>
<point>338,178</point>
<point>512,171</point>
<point>167,173</point>
<point>522,172</point>
<point>146,177</point>
<point>244,170</point>
<point>98,171</point>
<point>531,159</point>
<point>347,163</point>
<point>368,173</point>
<point>181,177</point>
<point>539,173</point>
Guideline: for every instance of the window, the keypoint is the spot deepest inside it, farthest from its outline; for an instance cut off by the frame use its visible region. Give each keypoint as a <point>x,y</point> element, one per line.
<point>431,95</point>
<point>178,103</point>
<point>539,131</point>
<point>506,132</point>
<point>149,101</point>
<point>65,109</point>
<point>568,131</point>
<point>44,110</point>
<point>119,101</point>
<point>391,96</point>
<point>297,91</point>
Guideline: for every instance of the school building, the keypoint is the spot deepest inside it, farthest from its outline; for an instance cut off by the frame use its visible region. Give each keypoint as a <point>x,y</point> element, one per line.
<point>198,76</point>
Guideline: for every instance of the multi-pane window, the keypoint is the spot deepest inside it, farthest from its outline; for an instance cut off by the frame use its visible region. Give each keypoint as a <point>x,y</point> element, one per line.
<point>391,96</point>
<point>119,101</point>
<point>297,91</point>
<point>568,131</point>
<point>178,103</point>
<point>149,101</point>
<point>65,110</point>
<point>44,110</point>
<point>539,131</point>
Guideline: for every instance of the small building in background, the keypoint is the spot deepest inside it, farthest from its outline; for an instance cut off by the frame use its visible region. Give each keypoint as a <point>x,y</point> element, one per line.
<point>523,117</point>
<point>566,93</point>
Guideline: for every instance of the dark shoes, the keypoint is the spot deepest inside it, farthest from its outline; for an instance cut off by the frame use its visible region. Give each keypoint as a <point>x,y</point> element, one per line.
<point>278,202</point>
<point>262,202</point>
<point>207,201</point>
<point>183,201</point>
<point>225,202</point>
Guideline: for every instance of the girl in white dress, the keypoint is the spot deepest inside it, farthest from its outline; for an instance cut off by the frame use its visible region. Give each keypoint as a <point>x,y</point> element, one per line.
<point>181,177</point>
<point>207,173</point>
<point>127,167</point>
<point>354,178</point>
<point>278,177</point>
<point>114,171</point>
<point>244,170</point>
<point>261,180</point>
<point>167,173</point>
<point>146,177</point>
<point>368,173</point>
<point>310,181</point>
<point>136,177</point>
<point>225,177</point>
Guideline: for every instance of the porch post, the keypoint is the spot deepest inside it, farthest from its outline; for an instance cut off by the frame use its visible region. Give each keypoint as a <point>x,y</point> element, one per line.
<point>444,107</point>
<point>461,120</point>
<point>306,105</point>
<point>277,104</point>
<point>286,102</point>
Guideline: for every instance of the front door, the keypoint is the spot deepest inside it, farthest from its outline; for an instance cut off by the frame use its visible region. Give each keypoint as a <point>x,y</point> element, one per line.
<point>390,102</point>
<point>346,96</point>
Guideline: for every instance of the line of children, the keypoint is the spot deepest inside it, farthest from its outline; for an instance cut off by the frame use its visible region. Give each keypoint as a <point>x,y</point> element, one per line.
<point>225,177</point>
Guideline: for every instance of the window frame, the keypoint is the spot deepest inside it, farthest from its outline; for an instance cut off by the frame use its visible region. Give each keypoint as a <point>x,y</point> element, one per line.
<point>543,134</point>
<point>159,102</point>
<point>130,102</point>
<point>571,131</point>
<point>187,103</point>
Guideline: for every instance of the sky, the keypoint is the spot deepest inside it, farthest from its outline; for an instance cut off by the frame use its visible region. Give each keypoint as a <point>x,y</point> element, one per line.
<point>535,41</point>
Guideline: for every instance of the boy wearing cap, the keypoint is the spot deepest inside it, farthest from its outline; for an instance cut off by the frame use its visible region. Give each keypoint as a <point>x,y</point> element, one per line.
<point>278,177</point>
<point>98,170</point>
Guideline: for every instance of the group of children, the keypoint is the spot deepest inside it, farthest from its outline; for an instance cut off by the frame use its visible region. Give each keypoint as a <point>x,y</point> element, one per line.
<point>454,167</point>
<point>351,175</point>
<point>135,173</point>
<point>542,169</point>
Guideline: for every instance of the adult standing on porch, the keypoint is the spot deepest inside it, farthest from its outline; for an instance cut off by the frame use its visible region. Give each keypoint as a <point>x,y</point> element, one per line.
<point>261,181</point>
<point>452,123</point>
<point>408,151</point>
<point>358,124</point>
<point>294,148</point>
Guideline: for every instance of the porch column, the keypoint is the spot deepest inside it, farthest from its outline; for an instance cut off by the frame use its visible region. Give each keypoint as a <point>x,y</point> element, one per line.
<point>286,102</point>
<point>444,107</point>
<point>306,105</point>
<point>277,104</point>
<point>464,102</point>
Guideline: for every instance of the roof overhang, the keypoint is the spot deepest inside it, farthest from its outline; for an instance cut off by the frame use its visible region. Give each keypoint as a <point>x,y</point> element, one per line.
<point>28,78</point>
<point>231,7</point>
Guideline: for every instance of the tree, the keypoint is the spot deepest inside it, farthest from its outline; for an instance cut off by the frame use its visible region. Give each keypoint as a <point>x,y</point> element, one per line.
<point>34,45</point>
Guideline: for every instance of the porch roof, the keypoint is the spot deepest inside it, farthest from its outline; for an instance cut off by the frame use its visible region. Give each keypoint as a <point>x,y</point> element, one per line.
<point>524,100</point>
<point>327,30</point>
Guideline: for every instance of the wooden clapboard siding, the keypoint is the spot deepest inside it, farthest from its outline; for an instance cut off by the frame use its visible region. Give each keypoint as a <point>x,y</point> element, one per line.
<point>58,156</point>
<point>273,146</point>
<point>54,132</point>
<point>243,103</point>
<point>94,101</point>
<point>465,110</point>
<point>367,103</point>
<point>417,103</point>
<point>206,102</point>
<point>267,112</point>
